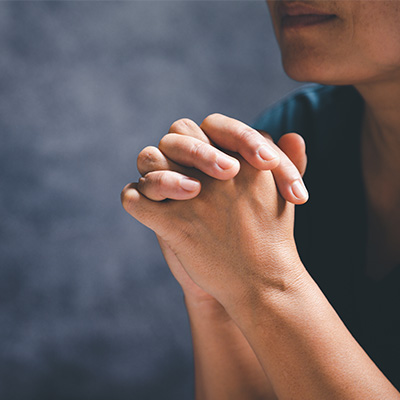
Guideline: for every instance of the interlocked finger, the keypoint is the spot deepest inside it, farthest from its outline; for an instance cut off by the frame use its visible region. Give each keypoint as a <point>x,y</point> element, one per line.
<point>192,152</point>
<point>293,145</point>
<point>188,127</point>
<point>288,174</point>
<point>161,185</point>
<point>152,159</point>
<point>236,136</point>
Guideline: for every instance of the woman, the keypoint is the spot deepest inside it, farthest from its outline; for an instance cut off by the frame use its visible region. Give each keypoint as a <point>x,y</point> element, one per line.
<point>261,300</point>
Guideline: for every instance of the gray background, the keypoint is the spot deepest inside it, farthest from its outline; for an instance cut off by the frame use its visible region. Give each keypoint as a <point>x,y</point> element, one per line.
<point>88,308</point>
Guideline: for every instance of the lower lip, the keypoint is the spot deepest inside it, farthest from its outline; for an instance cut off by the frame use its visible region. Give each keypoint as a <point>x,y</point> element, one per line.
<point>300,21</point>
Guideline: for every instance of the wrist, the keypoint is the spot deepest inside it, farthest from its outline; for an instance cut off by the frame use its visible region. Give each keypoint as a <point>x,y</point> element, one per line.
<point>205,307</point>
<point>272,290</point>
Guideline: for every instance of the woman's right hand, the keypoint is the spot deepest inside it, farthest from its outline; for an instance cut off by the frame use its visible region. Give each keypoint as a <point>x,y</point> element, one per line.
<point>190,145</point>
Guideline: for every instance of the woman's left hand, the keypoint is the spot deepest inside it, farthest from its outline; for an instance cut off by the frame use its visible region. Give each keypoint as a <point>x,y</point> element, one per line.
<point>234,239</point>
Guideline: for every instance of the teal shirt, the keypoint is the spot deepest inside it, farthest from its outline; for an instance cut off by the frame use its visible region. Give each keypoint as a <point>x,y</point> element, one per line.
<point>330,230</point>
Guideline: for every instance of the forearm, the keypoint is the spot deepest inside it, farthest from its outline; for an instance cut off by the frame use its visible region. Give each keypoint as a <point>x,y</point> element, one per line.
<point>225,365</point>
<point>306,349</point>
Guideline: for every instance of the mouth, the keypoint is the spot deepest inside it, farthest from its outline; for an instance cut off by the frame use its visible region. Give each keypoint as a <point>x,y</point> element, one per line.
<point>295,15</point>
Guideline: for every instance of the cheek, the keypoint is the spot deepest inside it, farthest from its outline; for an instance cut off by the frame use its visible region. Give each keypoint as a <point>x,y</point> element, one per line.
<point>362,45</point>
<point>377,35</point>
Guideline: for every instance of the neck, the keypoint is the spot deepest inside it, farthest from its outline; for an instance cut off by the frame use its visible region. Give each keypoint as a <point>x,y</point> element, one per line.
<point>381,144</point>
<point>381,171</point>
<point>381,125</point>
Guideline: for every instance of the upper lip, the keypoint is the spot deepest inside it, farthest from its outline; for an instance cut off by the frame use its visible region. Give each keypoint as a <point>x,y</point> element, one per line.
<point>292,9</point>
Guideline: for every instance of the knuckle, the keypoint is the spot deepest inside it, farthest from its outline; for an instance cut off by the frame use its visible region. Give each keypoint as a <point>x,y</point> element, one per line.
<point>147,156</point>
<point>182,125</point>
<point>164,140</point>
<point>161,180</point>
<point>155,180</point>
<point>198,150</point>
<point>246,135</point>
<point>154,186</point>
<point>210,119</point>
<point>290,171</point>
<point>126,198</point>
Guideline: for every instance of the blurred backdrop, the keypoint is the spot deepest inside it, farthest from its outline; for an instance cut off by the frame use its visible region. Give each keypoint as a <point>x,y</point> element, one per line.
<point>88,308</point>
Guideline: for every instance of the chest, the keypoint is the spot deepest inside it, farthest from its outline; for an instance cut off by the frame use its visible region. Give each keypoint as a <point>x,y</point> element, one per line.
<point>383,246</point>
<point>382,191</point>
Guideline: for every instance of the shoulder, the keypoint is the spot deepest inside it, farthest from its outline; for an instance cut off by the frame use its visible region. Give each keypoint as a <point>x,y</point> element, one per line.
<point>312,109</point>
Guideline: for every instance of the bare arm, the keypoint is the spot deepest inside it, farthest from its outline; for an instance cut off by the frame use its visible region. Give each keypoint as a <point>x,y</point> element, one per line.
<point>236,242</point>
<point>226,367</point>
<point>306,349</point>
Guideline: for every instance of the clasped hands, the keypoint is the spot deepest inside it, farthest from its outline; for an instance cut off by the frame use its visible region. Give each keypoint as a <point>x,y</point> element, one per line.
<point>232,235</point>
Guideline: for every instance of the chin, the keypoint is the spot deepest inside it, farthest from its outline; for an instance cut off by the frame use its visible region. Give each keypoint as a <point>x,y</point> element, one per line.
<point>310,69</point>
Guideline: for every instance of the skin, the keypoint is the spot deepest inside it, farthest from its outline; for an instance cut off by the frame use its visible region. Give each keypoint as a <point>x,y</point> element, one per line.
<point>217,340</point>
<point>190,145</point>
<point>364,43</point>
<point>199,234</point>
<point>248,262</point>
<point>366,54</point>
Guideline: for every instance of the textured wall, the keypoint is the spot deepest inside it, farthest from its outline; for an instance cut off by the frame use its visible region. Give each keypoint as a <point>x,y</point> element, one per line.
<point>88,309</point>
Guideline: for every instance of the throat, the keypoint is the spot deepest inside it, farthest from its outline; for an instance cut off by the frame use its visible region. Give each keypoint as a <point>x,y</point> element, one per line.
<point>381,171</point>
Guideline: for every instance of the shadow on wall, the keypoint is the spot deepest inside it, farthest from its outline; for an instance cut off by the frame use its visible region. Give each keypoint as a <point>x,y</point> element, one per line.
<point>88,308</point>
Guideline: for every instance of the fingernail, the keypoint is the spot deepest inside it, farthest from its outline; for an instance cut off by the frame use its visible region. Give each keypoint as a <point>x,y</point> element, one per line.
<point>267,153</point>
<point>190,185</point>
<point>225,162</point>
<point>299,190</point>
